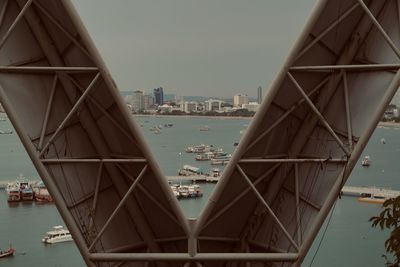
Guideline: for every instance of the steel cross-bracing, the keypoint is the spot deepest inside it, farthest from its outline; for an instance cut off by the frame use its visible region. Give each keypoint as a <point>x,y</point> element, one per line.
<point>278,188</point>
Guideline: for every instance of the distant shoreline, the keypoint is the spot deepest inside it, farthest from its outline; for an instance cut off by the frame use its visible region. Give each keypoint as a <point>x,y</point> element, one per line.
<point>194,116</point>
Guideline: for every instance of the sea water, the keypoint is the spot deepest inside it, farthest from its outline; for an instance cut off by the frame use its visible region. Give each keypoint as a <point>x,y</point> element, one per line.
<point>349,239</point>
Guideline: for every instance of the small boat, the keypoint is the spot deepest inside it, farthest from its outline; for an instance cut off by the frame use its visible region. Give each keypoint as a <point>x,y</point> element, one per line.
<point>13,193</point>
<point>204,128</point>
<point>195,190</point>
<point>6,131</point>
<point>200,148</point>
<point>188,170</point>
<point>155,129</point>
<point>57,235</point>
<point>184,191</point>
<point>24,188</point>
<point>366,161</point>
<point>41,193</point>
<point>215,172</point>
<point>383,141</point>
<point>219,161</point>
<point>187,191</point>
<point>219,153</point>
<point>7,253</point>
<point>27,194</point>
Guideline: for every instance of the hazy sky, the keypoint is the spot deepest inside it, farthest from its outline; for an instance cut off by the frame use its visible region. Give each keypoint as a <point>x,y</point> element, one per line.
<point>194,47</point>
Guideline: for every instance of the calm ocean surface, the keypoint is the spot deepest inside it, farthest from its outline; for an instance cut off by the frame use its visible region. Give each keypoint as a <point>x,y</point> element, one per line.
<point>349,239</point>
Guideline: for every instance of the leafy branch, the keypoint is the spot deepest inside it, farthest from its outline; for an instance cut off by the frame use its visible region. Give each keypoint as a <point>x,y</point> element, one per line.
<point>389,218</point>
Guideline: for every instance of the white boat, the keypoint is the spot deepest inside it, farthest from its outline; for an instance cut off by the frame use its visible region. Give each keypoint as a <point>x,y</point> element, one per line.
<point>202,148</point>
<point>8,131</point>
<point>366,161</point>
<point>204,157</point>
<point>204,128</point>
<point>184,191</point>
<point>57,235</point>
<point>223,160</point>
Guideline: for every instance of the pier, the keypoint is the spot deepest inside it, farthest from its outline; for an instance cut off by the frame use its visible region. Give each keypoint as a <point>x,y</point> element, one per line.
<point>193,178</point>
<point>356,191</point>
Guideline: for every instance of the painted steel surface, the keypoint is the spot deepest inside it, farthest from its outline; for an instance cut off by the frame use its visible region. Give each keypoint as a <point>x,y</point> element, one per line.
<point>282,180</point>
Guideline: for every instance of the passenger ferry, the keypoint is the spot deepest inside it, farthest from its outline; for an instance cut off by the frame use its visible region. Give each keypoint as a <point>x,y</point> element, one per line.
<point>57,235</point>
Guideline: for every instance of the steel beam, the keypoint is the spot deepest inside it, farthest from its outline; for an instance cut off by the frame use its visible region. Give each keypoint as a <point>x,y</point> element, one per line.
<point>15,22</point>
<point>68,160</point>
<point>270,211</point>
<point>3,12</point>
<point>238,197</point>
<point>332,26</point>
<point>379,27</point>
<point>46,70</point>
<point>61,28</point>
<point>117,209</point>
<point>354,67</point>
<point>70,114</point>
<point>310,160</point>
<point>172,257</point>
<point>348,115</point>
<point>47,115</point>
<point>319,115</point>
<point>287,113</point>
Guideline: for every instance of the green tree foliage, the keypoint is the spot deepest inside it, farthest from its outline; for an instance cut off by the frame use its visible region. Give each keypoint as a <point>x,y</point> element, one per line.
<point>389,218</point>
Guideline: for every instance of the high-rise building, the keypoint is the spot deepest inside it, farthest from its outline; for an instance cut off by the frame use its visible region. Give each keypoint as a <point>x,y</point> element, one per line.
<point>159,96</point>
<point>147,101</point>
<point>239,100</point>
<point>137,100</point>
<point>259,95</point>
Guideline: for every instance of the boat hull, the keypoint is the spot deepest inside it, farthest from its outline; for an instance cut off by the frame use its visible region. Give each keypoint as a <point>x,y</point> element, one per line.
<point>7,253</point>
<point>56,240</point>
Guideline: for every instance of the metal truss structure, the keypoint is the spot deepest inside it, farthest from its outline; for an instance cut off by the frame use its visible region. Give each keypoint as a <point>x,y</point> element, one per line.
<point>278,188</point>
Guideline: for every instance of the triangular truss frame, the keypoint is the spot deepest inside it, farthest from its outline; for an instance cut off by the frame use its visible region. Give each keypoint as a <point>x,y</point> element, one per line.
<point>282,181</point>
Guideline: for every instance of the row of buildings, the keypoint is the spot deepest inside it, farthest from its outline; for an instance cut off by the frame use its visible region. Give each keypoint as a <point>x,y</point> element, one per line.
<point>141,102</point>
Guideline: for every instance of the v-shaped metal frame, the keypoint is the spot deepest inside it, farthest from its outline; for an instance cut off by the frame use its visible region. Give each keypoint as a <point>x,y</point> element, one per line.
<point>281,182</point>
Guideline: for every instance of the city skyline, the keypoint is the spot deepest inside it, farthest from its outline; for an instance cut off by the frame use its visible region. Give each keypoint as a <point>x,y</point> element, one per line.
<point>211,48</point>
